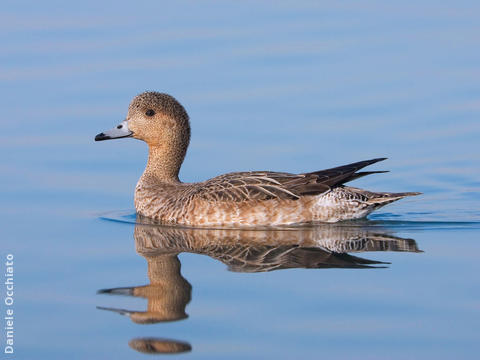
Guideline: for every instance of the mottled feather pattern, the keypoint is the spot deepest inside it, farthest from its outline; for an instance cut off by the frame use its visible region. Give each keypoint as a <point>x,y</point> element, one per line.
<point>245,186</point>
<point>261,198</point>
<point>265,185</point>
<point>249,251</point>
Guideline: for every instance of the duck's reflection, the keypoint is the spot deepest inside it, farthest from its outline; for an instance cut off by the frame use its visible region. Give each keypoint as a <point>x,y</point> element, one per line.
<point>159,346</point>
<point>325,246</point>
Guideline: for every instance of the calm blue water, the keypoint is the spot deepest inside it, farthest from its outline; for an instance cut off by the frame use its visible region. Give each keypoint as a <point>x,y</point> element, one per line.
<point>290,86</point>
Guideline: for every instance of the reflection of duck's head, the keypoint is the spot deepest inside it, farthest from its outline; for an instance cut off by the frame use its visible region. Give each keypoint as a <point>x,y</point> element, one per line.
<point>168,292</point>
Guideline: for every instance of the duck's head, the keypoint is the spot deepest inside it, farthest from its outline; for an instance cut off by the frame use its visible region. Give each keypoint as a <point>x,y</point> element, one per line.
<point>156,118</point>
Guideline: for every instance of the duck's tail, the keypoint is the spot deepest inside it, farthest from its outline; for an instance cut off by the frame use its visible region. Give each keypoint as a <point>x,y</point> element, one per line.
<point>384,198</point>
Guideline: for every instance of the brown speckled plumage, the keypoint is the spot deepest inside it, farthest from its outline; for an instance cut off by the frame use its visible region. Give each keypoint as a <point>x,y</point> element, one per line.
<point>259,198</point>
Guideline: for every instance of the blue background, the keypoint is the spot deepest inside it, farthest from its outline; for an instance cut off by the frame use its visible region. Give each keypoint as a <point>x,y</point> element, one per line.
<point>288,86</point>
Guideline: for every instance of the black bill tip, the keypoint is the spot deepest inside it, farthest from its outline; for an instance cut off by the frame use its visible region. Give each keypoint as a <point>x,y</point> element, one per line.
<point>117,291</point>
<point>102,136</point>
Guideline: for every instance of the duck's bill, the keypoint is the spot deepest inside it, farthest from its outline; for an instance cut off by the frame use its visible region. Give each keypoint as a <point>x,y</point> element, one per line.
<point>118,132</point>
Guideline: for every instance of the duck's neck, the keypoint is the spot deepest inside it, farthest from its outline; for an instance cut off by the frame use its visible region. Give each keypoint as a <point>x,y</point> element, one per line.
<point>163,164</point>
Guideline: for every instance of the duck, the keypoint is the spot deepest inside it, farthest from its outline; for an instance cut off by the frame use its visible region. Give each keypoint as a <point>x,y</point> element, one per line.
<point>237,199</point>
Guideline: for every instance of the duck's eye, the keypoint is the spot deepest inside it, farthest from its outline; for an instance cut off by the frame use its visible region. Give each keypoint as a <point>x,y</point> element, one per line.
<point>150,112</point>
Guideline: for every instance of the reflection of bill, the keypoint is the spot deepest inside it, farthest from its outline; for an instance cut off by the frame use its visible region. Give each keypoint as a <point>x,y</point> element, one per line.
<point>168,293</point>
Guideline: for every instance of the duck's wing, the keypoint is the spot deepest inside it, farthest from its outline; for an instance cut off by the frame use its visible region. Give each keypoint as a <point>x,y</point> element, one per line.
<point>242,258</point>
<point>264,185</point>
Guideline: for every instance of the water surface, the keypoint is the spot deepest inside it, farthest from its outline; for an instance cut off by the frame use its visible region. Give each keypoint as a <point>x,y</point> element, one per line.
<point>292,86</point>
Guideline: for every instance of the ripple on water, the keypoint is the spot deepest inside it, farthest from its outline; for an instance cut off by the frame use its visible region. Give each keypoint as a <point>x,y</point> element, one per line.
<point>395,221</point>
